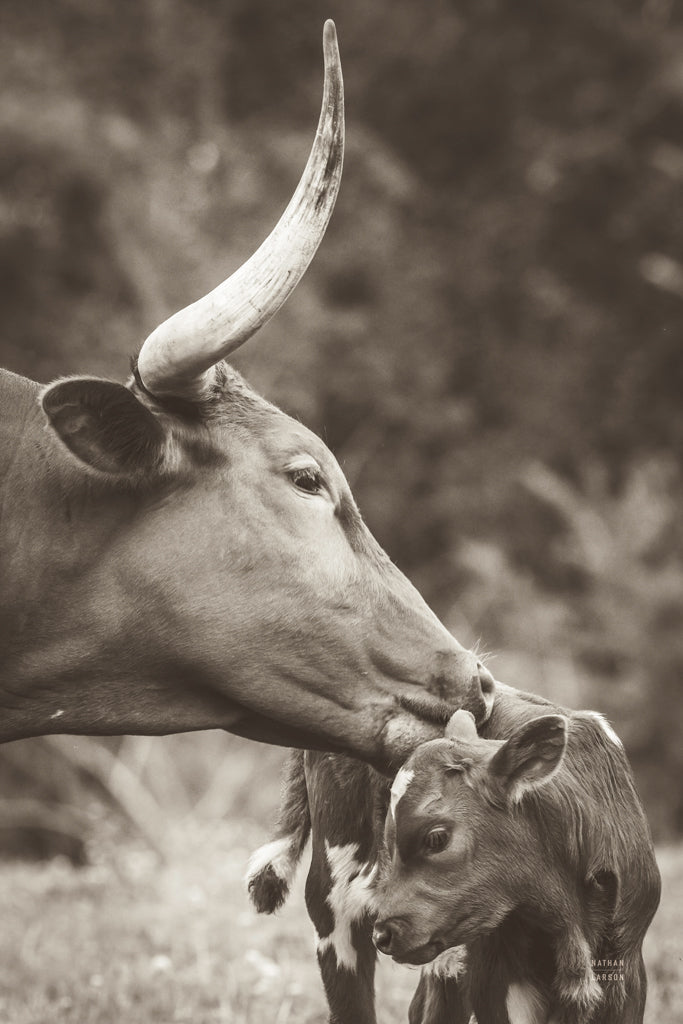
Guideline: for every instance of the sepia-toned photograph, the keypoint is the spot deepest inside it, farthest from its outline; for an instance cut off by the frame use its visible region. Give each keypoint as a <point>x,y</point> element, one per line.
<point>341,512</point>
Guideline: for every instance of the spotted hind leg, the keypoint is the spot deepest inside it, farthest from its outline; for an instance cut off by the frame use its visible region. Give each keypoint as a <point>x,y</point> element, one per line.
<point>338,888</point>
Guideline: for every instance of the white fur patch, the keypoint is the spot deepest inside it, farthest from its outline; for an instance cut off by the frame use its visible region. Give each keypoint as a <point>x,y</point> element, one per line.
<point>399,787</point>
<point>586,993</point>
<point>577,983</point>
<point>606,727</point>
<point>277,855</point>
<point>449,964</point>
<point>349,899</point>
<point>525,1004</point>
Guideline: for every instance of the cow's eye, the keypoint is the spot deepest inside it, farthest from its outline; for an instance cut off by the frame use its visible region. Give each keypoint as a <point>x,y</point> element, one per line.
<point>436,840</point>
<point>308,479</point>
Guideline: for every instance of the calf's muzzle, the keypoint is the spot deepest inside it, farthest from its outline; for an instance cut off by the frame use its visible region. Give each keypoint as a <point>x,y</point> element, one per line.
<point>392,937</point>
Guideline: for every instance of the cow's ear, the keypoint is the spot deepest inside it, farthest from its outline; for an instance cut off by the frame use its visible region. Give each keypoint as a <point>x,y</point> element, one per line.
<point>529,758</point>
<point>106,427</point>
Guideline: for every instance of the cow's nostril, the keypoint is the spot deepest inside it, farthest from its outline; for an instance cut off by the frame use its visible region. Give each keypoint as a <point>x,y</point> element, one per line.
<point>486,680</point>
<point>487,689</point>
<point>381,936</point>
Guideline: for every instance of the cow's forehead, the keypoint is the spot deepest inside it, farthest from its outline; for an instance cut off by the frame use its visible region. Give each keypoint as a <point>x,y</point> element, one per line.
<point>287,439</point>
<point>238,405</point>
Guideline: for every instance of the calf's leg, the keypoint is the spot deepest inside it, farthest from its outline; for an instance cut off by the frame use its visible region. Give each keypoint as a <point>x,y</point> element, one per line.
<point>338,898</point>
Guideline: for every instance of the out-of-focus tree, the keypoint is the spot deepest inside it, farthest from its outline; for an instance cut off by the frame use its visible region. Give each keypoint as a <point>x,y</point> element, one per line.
<point>502,283</point>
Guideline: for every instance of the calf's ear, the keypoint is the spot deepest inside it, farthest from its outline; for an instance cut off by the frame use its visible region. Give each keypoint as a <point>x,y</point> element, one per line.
<point>529,758</point>
<point>104,425</point>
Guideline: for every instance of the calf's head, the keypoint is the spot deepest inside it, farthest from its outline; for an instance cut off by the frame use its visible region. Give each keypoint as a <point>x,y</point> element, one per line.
<point>460,852</point>
<point>248,589</point>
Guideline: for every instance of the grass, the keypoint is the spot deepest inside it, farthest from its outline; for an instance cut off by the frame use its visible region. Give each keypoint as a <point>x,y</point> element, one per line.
<point>131,939</point>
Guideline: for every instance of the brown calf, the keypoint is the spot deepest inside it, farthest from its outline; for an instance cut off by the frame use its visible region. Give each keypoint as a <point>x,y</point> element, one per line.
<point>516,864</point>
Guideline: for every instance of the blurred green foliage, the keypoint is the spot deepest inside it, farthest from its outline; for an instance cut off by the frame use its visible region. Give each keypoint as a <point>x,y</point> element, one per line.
<point>490,336</point>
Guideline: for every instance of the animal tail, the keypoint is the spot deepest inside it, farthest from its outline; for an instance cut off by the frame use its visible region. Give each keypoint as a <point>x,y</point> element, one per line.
<point>271,868</point>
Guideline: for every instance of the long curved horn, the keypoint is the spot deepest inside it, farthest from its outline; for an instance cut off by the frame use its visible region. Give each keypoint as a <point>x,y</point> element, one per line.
<point>174,358</point>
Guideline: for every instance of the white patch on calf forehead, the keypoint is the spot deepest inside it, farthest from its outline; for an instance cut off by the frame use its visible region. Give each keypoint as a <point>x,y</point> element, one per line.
<point>606,727</point>
<point>403,779</point>
<point>349,899</point>
<point>449,964</point>
<point>525,1004</point>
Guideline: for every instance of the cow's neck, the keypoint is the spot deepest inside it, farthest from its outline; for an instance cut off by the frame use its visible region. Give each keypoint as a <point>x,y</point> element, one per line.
<point>55,527</point>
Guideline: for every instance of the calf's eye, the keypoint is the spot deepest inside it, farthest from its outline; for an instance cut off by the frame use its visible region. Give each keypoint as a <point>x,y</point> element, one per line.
<point>436,840</point>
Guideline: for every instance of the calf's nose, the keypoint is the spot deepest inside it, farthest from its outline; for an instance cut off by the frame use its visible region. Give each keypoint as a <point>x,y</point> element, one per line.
<point>382,936</point>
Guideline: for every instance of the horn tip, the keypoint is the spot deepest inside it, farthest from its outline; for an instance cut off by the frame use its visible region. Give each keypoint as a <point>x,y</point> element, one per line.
<point>329,35</point>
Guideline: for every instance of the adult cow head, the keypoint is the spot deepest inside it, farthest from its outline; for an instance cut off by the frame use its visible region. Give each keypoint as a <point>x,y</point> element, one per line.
<point>219,573</point>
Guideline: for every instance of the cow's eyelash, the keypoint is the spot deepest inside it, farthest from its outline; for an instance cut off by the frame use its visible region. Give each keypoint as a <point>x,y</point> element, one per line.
<point>308,479</point>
